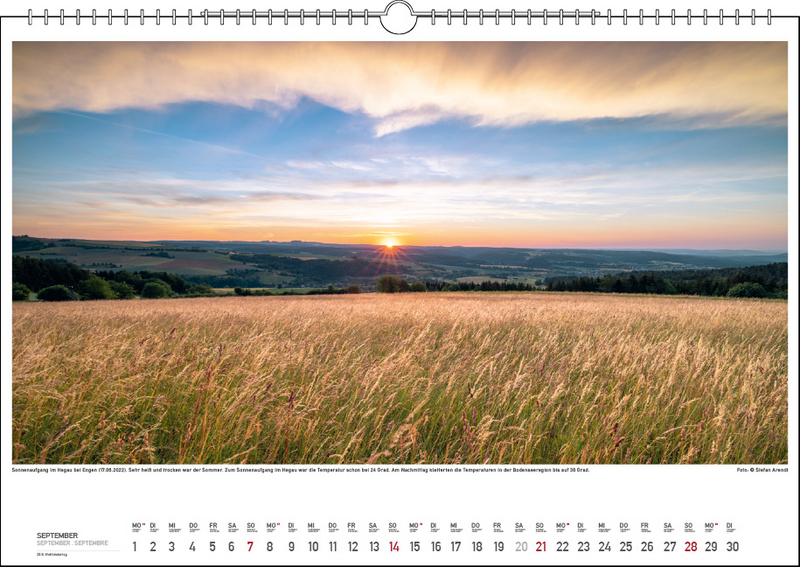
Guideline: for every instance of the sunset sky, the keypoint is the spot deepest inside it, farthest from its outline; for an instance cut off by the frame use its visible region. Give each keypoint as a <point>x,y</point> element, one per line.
<point>592,145</point>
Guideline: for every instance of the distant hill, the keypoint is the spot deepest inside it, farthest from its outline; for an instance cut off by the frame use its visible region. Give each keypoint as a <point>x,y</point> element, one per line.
<point>311,264</point>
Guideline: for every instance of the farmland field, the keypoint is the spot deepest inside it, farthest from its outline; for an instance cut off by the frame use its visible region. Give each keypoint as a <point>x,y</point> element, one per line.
<point>406,378</point>
<point>187,262</point>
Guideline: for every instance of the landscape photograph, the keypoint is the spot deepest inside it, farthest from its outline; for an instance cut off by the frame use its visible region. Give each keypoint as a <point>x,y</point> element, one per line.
<point>399,253</point>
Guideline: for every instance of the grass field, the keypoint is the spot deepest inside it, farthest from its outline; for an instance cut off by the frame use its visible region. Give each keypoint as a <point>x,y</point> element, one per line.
<point>411,378</point>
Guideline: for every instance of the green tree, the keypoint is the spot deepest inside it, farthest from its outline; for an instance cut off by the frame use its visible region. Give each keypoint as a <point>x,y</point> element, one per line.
<point>669,288</point>
<point>156,290</point>
<point>38,274</point>
<point>123,290</point>
<point>55,293</point>
<point>388,284</point>
<point>418,286</point>
<point>95,288</point>
<point>20,292</point>
<point>747,289</point>
<point>202,289</point>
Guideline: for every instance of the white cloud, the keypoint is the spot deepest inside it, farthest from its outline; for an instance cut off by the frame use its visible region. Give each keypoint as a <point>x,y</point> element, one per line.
<point>351,165</point>
<point>404,85</point>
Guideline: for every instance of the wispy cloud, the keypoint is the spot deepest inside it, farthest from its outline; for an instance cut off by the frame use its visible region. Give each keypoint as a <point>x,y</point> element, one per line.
<point>312,165</point>
<point>563,202</point>
<point>215,147</point>
<point>351,165</point>
<point>34,125</point>
<point>404,85</point>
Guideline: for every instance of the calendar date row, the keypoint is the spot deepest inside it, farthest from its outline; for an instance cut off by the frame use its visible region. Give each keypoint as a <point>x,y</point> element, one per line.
<point>455,546</point>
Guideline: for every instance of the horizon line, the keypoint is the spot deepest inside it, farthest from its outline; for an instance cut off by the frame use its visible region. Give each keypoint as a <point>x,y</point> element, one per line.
<point>625,248</point>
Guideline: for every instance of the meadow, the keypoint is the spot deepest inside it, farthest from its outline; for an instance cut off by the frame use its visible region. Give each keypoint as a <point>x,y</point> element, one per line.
<point>402,378</point>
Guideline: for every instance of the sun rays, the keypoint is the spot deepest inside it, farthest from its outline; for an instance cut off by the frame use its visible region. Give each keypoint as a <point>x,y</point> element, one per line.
<point>389,258</point>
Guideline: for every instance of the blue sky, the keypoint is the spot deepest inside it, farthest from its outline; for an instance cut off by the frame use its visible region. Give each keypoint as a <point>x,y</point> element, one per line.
<point>443,158</point>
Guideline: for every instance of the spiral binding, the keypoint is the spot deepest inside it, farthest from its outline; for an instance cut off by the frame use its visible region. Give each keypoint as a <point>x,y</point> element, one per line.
<point>366,15</point>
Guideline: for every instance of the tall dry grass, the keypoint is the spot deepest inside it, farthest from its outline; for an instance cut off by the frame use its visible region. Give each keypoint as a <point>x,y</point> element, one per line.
<point>412,378</point>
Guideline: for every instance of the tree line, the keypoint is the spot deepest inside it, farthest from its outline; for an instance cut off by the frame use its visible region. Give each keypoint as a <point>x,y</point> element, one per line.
<point>330,290</point>
<point>232,278</point>
<point>768,281</point>
<point>54,281</point>
<point>764,281</point>
<point>394,284</point>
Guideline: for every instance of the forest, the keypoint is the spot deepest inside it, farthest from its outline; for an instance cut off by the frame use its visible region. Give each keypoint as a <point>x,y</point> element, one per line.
<point>769,281</point>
